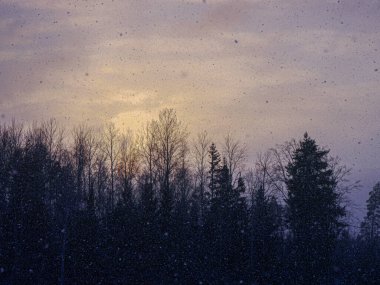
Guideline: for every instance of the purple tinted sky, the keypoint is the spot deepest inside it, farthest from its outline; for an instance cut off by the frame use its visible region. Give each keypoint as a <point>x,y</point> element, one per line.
<point>265,70</point>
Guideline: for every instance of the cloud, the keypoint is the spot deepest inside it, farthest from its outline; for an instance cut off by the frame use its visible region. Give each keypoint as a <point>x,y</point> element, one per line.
<point>269,70</point>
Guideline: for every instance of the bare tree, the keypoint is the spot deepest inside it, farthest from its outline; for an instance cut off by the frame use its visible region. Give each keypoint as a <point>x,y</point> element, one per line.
<point>183,173</point>
<point>11,139</point>
<point>80,134</point>
<point>200,154</point>
<point>263,171</point>
<point>12,136</point>
<point>53,137</point>
<point>111,149</point>
<point>101,176</point>
<point>271,167</point>
<point>250,181</point>
<point>92,146</point>
<point>86,148</point>
<point>235,154</point>
<point>148,150</point>
<point>171,135</point>
<point>128,165</point>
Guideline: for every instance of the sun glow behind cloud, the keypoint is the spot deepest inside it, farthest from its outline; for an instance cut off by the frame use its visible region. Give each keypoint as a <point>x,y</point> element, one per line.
<point>266,70</point>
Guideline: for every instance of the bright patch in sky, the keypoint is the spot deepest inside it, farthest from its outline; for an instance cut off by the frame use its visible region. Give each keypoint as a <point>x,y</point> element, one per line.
<point>266,71</point>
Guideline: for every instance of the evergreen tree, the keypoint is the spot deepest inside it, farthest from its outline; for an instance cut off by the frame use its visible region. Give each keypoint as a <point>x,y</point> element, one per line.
<point>28,213</point>
<point>57,225</point>
<point>214,161</point>
<point>314,212</point>
<point>369,240</point>
<point>227,228</point>
<point>265,237</point>
<point>370,227</point>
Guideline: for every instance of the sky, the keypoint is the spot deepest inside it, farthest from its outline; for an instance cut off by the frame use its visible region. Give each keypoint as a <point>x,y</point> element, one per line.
<point>265,71</point>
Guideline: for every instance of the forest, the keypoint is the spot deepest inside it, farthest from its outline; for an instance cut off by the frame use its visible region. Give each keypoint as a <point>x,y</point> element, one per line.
<point>84,206</point>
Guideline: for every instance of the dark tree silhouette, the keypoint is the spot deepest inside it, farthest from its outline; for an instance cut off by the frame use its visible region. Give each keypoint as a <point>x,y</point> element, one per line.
<point>370,228</point>
<point>227,227</point>
<point>314,212</point>
<point>369,239</point>
<point>265,237</point>
<point>214,162</point>
<point>105,207</point>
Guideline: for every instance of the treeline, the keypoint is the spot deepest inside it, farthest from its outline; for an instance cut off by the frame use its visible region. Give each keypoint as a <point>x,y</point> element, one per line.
<point>154,208</point>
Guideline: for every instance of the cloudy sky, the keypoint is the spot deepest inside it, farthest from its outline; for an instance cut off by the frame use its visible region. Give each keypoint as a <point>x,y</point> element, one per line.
<point>267,71</point>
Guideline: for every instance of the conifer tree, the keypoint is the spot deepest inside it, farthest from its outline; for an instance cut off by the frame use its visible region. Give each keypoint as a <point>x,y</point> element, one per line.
<point>314,212</point>
<point>370,227</point>
<point>265,231</point>
<point>369,258</point>
<point>227,226</point>
<point>214,160</point>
